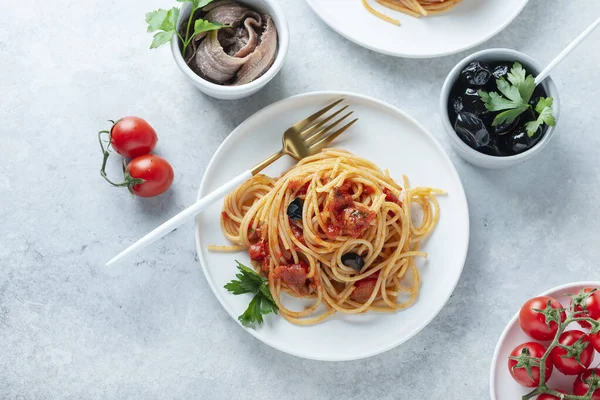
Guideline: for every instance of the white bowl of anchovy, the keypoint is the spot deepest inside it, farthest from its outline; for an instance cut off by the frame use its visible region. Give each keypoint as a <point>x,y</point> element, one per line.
<point>227,49</point>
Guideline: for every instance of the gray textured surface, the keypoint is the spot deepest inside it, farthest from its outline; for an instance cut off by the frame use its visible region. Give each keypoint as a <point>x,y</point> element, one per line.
<point>70,328</point>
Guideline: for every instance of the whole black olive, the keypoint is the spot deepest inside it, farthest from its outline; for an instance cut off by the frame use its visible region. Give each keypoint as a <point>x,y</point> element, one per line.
<point>505,128</point>
<point>501,71</point>
<point>353,261</point>
<point>470,128</point>
<point>294,210</point>
<point>457,104</point>
<point>495,147</point>
<point>472,103</point>
<point>476,74</point>
<point>519,141</point>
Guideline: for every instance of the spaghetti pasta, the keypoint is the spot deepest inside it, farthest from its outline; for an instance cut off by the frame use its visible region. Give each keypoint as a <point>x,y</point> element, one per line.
<point>344,207</point>
<point>414,8</point>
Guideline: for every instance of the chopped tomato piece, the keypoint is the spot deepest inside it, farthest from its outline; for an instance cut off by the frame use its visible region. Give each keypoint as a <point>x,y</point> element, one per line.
<point>259,252</point>
<point>297,232</point>
<point>364,288</point>
<point>357,221</point>
<point>348,218</point>
<point>254,235</point>
<point>300,190</point>
<point>333,231</point>
<point>339,201</point>
<point>293,276</point>
<point>346,187</point>
<point>391,197</point>
<point>368,190</point>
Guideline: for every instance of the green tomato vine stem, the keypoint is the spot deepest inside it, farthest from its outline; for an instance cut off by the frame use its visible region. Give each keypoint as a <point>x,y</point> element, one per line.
<point>128,180</point>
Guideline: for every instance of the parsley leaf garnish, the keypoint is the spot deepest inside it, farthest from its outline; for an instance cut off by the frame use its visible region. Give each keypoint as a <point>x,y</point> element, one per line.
<point>544,108</point>
<point>165,21</point>
<point>513,100</point>
<point>248,281</point>
<point>524,84</point>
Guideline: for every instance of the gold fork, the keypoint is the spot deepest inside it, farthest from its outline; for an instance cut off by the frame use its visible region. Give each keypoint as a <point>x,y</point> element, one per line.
<point>305,138</point>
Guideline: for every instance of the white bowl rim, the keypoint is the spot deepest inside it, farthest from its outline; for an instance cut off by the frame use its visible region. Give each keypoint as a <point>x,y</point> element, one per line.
<point>283,44</point>
<point>437,144</point>
<point>516,316</point>
<point>549,84</point>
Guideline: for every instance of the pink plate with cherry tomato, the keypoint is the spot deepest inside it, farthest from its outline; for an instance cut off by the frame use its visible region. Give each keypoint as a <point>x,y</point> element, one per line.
<point>534,327</point>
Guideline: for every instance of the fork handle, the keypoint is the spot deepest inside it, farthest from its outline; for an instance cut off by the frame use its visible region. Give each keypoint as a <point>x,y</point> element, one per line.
<point>182,217</point>
<point>266,162</point>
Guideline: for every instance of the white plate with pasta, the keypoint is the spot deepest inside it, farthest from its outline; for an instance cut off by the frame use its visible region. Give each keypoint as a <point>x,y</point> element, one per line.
<point>449,27</point>
<point>356,259</point>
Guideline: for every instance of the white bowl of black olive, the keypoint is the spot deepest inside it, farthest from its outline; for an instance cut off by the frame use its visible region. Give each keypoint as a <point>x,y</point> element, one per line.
<point>493,112</point>
<point>228,49</point>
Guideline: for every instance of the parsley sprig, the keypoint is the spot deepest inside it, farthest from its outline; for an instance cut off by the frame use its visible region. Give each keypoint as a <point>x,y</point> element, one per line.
<point>513,100</point>
<point>165,22</point>
<point>250,282</point>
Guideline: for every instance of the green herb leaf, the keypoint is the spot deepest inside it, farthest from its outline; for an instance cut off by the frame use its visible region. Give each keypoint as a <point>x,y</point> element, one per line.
<point>249,281</point>
<point>511,92</point>
<point>267,305</point>
<point>507,117</point>
<point>524,84</point>
<point>543,103</point>
<point>155,19</point>
<point>252,313</point>
<point>170,22</point>
<point>495,102</point>
<point>161,38</point>
<point>262,303</point>
<point>545,116</point>
<point>202,25</point>
<point>197,3</point>
<point>201,3</point>
<point>516,93</point>
<point>165,21</point>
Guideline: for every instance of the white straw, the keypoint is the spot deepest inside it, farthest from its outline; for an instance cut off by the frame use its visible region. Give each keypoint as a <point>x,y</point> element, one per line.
<point>181,218</point>
<point>546,71</point>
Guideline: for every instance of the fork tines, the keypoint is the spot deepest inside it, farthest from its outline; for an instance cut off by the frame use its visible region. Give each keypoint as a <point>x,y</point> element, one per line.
<point>317,133</point>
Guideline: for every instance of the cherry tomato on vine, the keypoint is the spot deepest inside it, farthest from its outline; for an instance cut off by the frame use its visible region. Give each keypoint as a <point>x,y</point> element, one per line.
<point>592,305</point>
<point>533,322</point>
<point>526,353</point>
<point>156,172</point>
<point>595,339</point>
<point>566,362</point>
<point>132,137</point>
<point>580,387</point>
<point>550,396</point>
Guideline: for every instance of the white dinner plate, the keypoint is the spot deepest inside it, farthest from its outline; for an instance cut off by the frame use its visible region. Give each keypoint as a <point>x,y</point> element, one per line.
<point>391,139</point>
<point>469,24</point>
<point>502,385</point>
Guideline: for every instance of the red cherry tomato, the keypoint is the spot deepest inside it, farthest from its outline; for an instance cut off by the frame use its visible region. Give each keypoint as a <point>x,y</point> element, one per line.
<point>520,374</point>
<point>595,339</point>
<point>592,304</point>
<point>569,365</point>
<point>533,322</point>
<point>156,172</point>
<point>580,387</point>
<point>132,137</point>
<point>550,396</point>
